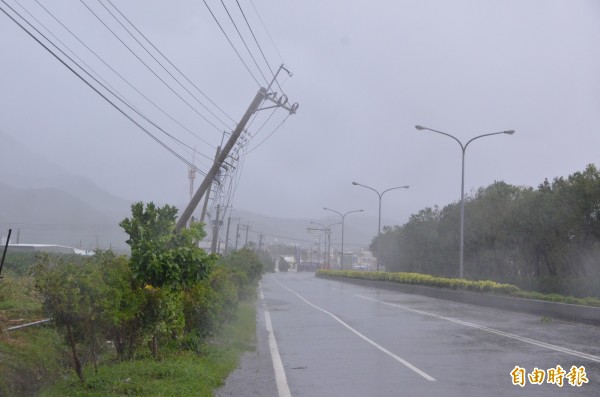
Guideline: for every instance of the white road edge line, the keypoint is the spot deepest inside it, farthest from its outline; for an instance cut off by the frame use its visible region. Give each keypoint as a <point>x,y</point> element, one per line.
<point>283,389</point>
<point>363,337</point>
<point>491,330</point>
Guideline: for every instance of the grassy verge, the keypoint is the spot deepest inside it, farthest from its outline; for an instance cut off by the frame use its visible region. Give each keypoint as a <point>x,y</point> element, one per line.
<point>178,373</point>
<point>30,358</point>
<point>485,286</point>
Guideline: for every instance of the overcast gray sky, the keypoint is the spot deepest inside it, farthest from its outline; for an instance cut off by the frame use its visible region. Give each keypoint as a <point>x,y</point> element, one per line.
<point>364,73</point>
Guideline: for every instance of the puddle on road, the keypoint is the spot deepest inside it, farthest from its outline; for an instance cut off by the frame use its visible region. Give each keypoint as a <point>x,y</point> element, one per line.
<point>276,302</point>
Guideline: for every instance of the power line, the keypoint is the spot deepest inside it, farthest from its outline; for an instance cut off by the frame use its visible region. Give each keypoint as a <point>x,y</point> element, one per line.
<point>171,63</point>
<point>112,89</point>
<point>122,78</point>
<point>157,61</point>
<point>87,82</point>
<point>232,46</point>
<point>244,41</point>
<point>257,44</point>
<point>266,30</point>
<point>149,68</point>
<point>262,126</point>
<point>268,136</point>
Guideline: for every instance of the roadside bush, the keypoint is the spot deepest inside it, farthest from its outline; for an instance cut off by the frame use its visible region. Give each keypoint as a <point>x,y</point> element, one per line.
<point>18,262</point>
<point>210,303</point>
<point>458,284</point>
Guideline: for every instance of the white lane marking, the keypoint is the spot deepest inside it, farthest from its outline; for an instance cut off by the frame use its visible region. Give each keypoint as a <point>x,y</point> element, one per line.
<point>491,330</point>
<point>363,337</point>
<point>283,388</point>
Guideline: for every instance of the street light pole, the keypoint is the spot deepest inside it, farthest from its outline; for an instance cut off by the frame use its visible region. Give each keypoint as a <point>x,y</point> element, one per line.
<point>379,221</point>
<point>343,217</point>
<point>462,185</point>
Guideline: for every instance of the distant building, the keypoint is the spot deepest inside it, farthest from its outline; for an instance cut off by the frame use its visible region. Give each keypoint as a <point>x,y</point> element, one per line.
<point>49,248</point>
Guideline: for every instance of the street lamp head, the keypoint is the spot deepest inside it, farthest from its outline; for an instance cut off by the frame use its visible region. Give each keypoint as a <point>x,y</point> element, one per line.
<point>355,183</point>
<point>509,132</point>
<point>420,127</point>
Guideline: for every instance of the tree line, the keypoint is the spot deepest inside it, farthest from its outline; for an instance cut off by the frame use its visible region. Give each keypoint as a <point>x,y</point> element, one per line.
<point>545,239</point>
<point>168,291</point>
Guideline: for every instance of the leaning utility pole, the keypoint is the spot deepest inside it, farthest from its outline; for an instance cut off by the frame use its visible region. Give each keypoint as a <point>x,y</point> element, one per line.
<point>262,94</point>
<point>185,216</point>
<point>203,213</point>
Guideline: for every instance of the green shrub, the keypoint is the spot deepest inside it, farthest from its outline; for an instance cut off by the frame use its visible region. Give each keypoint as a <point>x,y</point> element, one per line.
<point>210,303</point>
<point>458,284</point>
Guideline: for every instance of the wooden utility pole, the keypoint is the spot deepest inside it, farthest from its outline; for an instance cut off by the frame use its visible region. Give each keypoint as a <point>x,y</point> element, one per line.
<point>260,242</point>
<point>215,236</point>
<point>187,213</point>
<point>237,235</point>
<point>227,233</point>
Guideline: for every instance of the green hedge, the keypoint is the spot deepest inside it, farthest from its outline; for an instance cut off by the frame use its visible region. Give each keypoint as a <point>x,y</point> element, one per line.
<point>458,284</point>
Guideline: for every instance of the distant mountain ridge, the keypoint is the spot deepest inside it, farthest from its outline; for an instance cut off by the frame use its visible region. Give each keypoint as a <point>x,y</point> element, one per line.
<point>46,204</point>
<point>20,167</point>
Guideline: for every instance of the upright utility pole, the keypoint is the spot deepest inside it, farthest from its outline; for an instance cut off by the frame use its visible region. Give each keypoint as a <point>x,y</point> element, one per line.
<point>237,235</point>
<point>210,175</point>
<point>4,252</point>
<point>227,233</point>
<point>215,236</point>
<point>246,228</point>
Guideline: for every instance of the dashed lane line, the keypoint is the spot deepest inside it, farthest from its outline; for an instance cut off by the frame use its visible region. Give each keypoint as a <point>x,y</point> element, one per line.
<point>491,330</point>
<point>363,337</point>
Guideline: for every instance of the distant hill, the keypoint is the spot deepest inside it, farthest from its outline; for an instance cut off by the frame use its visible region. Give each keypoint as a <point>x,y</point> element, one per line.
<point>22,168</point>
<point>51,216</point>
<point>45,204</point>
<point>51,205</point>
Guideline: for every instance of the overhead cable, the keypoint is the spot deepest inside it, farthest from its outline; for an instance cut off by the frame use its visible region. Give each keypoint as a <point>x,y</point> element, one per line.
<point>87,82</point>
<point>149,68</point>
<point>244,41</point>
<point>267,30</point>
<point>257,44</point>
<point>124,79</point>
<point>111,89</point>
<point>157,61</point>
<point>268,136</point>
<point>232,46</point>
<point>171,63</point>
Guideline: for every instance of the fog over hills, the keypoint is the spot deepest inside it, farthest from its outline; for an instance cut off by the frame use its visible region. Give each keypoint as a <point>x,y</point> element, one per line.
<point>44,203</point>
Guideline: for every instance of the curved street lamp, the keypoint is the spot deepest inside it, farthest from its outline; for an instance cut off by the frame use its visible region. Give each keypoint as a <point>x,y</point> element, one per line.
<point>462,184</point>
<point>379,222</point>
<point>343,217</point>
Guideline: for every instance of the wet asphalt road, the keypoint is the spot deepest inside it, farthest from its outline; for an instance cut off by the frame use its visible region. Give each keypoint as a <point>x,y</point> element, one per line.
<point>338,339</point>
